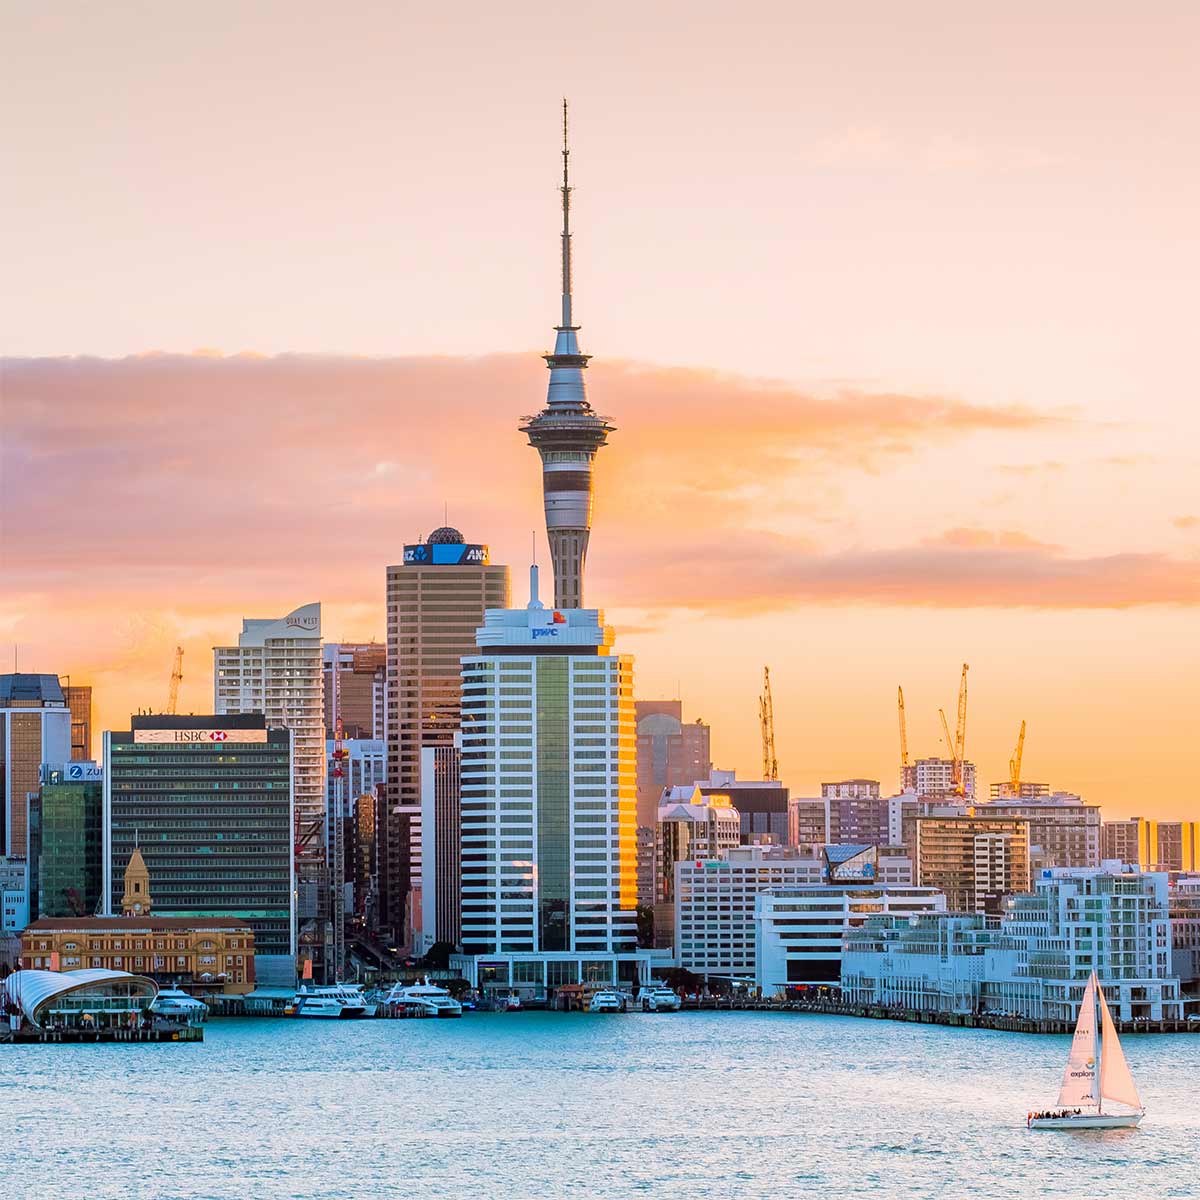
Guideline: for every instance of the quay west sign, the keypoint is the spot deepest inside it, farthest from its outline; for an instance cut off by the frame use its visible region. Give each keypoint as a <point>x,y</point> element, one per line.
<point>199,736</point>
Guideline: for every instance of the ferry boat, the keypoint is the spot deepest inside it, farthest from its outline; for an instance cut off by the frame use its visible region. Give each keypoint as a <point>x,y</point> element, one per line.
<point>336,1000</point>
<point>424,999</point>
<point>176,1004</point>
<point>1097,1075</point>
<point>660,999</point>
<point>607,1001</point>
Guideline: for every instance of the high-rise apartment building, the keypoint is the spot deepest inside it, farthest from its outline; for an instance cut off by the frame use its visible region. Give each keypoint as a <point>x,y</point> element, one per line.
<point>855,812</point>
<point>670,753</point>
<point>436,599</point>
<point>207,801</point>
<point>66,841</point>
<point>933,778</point>
<point>35,728</point>
<point>567,433</point>
<point>975,860</point>
<point>275,669</point>
<point>1153,845</point>
<point>1063,830</point>
<point>354,682</point>
<point>549,789</point>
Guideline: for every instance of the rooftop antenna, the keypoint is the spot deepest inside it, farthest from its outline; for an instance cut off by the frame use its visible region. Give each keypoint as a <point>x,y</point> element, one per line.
<point>566,229</point>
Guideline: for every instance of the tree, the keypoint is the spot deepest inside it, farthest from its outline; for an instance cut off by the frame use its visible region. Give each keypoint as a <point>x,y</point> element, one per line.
<point>683,981</point>
<point>437,957</point>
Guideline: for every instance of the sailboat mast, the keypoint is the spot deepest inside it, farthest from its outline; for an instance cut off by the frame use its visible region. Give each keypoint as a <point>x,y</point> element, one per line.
<point>1097,1040</point>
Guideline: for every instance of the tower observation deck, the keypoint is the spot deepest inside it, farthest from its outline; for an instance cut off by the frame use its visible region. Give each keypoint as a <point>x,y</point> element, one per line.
<point>567,433</point>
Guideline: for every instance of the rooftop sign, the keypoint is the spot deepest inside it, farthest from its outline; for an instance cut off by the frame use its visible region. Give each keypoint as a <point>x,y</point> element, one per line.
<point>198,736</point>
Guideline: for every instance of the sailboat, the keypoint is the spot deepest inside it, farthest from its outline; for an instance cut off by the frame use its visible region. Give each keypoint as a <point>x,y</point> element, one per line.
<point>1097,1090</point>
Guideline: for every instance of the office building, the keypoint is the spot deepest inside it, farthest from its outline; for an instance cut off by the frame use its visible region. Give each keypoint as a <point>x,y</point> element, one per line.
<point>566,434</point>
<point>66,841</point>
<point>364,868</point>
<point>354,685</point>
<point>15,897</point>
<point>1035,962</point>
<point>933,778</point>
<point>35,728</point>
<point>799,930</point>
<point>1063,830</point>
<point>974,860</point>
<point>1183,899</point>
<point>715,900</point>
<point>207,803</point>
<point>761,804</point>
<point>549,789</point>
<point>670,754</point>
<point>436,599</point>
<point>79,701</point>
<point>1153,845</point>
<point>441,846</point>
<point>691,827</point>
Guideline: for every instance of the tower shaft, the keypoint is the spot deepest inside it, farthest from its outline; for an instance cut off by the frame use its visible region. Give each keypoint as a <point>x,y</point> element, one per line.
<point>567,433</point>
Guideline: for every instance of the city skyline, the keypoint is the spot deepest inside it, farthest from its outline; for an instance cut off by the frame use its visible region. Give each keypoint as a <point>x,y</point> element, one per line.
<point>860,468</point>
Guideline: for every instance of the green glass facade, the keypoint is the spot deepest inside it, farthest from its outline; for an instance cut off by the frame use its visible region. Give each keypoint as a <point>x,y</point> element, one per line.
<point>212,819</point>
<point>66,848</point>
<point>553,803</point>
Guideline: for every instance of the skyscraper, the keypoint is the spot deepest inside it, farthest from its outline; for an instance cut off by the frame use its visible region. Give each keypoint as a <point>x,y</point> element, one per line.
<point>549,792</point>
<point>355,685</point>
<point>567,433</point>
<point>436,599</point>
<point>35,728</point>
<point>207,800</point>
<point>670,754</point>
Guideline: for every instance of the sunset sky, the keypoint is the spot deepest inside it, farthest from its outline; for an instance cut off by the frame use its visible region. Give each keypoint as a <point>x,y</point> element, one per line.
<point>895,313</point>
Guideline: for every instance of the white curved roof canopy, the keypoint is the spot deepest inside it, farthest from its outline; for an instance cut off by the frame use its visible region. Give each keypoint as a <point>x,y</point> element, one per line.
<point>32,991</point>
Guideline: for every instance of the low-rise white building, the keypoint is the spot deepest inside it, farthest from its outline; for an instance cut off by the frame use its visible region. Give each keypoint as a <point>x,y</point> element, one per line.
<point>1036,960</point>
<point>799,930</point>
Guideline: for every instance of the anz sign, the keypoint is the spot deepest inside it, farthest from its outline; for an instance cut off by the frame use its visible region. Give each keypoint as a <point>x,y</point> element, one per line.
<point>425,554</point>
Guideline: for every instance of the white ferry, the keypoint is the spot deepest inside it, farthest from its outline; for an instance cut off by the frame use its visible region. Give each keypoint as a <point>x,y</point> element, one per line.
<point>177,1005</point>
<point>607,1002</point>
<point>424,999</point>
<point>337,1000</point>
<point>660,999</point>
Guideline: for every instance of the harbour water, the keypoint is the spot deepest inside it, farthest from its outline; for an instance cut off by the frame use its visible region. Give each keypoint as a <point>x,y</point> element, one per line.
<point>693,1105</point>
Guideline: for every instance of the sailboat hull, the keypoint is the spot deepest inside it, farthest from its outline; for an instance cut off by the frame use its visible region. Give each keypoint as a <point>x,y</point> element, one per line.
<point>1088,1121</point>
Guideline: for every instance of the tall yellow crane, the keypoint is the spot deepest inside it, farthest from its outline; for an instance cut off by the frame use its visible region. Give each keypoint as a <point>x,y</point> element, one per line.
<point>1014,763</point>
<point>176,678</point>
<point>960,733</point>
<point>903,728</point>
<point>766,719</point>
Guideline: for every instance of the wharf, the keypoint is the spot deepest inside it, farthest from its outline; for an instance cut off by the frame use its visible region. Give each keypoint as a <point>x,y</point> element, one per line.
<point>29,1036</point>
<point>878,1012</point>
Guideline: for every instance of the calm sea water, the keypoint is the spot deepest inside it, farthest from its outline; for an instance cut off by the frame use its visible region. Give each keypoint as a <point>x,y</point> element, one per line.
<point>548,1105</point>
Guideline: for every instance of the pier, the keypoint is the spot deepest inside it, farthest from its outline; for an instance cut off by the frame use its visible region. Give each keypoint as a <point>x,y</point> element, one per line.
<point>956,1020</point>
<point>32,1036</point>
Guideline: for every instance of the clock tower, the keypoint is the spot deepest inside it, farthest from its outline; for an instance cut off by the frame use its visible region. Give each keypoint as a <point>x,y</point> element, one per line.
<point>136,900</point>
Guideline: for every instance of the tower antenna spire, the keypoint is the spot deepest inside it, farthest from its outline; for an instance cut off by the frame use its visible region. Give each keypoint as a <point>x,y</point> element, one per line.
<point>566,229</point>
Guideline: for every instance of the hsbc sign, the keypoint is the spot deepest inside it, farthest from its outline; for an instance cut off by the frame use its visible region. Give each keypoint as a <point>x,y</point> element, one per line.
<point>198,736</point>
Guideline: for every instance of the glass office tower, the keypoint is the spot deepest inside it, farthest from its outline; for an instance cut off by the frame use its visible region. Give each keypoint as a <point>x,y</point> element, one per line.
<point>66,842</point>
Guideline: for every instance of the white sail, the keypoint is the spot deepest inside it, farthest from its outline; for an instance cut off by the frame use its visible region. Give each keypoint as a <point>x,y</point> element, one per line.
<point>1079,1079</point>
<point>1116,1080</point>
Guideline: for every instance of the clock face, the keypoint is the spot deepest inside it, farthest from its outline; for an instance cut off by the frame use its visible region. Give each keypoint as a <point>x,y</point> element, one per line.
<point>137,907</point>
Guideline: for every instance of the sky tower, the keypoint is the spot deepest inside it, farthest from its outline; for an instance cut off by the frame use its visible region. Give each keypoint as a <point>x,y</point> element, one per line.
<point>567,433</point>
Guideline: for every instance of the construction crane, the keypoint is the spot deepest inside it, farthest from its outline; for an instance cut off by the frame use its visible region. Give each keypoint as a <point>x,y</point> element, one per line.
<point>1014,763</point>
<point>766,719</point>
<point>903,735</point>
<point>960,734</point>
<point>176,677</point>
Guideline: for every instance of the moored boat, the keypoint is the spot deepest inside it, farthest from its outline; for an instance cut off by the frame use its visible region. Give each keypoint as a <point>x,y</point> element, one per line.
<point>423,999</point>
<point>340,1001</point>
<point>176,1004</point>
<point>607,1001</point>
<point>1097,1090</point>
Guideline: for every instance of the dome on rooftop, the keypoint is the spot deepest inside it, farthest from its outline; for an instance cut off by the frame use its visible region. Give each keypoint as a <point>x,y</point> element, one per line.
<point>446,536</point>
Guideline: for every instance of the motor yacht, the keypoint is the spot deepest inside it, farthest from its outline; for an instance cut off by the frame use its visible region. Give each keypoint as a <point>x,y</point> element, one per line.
<point>336,1000</point>
<point>177,1005</point>
<point>660,999</point>
<point>424,999</point>
<point>607,1002</point>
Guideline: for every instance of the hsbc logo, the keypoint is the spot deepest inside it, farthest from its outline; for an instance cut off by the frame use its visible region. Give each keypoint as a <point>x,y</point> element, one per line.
<point>218,735</point>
